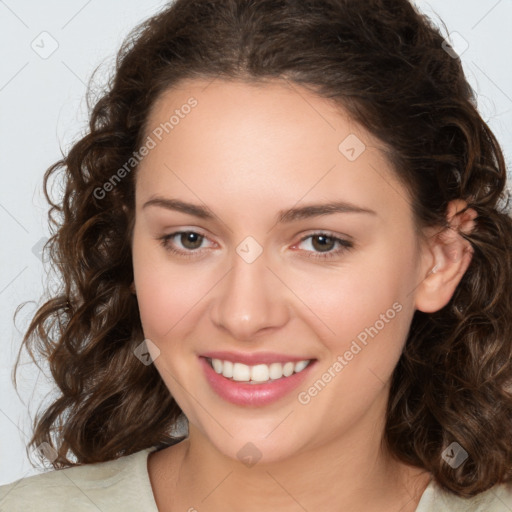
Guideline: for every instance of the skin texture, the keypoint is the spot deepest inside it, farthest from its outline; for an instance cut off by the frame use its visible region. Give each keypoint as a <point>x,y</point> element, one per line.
<point>247,152</point>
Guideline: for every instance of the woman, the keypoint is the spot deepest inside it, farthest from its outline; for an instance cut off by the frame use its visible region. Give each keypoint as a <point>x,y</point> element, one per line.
<point>287,227</point>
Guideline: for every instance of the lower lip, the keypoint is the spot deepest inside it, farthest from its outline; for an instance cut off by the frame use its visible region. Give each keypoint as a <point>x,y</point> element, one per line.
<point>243,393</point>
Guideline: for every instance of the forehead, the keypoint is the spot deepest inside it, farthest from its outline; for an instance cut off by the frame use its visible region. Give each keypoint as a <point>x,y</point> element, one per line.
<point>275,140</point>
<point>275,107</point>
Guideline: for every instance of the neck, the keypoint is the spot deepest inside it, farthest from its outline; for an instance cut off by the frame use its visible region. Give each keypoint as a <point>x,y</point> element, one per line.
<point>352,472</point>
<point>357,478</point>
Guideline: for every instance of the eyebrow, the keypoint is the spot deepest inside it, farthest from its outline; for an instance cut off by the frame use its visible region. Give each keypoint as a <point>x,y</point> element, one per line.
<point>284,216</point>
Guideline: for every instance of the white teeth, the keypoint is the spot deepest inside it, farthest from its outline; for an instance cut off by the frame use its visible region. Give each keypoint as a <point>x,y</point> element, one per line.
<point>227,369</point>
<point>260,373</point>
<point>217,365</point>
<point>300,366</point>
<point>241,372</point>
<point>257,373</point>
<point>288,369</point>
<point>276,371</point>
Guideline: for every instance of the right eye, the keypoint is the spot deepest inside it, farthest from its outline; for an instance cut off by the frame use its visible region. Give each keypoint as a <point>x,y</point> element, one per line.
<point>190,242</point>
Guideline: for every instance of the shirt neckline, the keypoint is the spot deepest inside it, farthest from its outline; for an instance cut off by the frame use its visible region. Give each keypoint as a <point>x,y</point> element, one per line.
<point>148,497</point>
<point>422,505</point>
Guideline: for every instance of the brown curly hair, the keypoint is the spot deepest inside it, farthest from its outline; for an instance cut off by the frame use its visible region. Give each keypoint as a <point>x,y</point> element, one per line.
<point>385,63</point>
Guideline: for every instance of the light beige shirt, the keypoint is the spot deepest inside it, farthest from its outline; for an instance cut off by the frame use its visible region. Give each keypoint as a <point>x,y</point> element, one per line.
<point>123,485</point>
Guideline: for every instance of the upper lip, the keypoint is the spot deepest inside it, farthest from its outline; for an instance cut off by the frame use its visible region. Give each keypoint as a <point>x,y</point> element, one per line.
<point>254,358</point>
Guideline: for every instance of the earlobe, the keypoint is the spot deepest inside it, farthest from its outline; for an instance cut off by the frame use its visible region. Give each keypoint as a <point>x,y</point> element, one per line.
<point>132,288</point>
<point>451,255</point>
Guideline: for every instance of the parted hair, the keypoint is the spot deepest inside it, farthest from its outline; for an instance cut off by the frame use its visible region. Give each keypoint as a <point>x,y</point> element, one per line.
<point>389,67</point>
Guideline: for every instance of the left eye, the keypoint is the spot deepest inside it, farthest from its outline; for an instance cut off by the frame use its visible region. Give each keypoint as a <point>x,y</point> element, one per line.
<point>322,245</point>
<point>320,242</point>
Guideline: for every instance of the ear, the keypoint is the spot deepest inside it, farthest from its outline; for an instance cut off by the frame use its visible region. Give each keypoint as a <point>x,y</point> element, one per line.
<point>132,288</point>
<point>447,255</point>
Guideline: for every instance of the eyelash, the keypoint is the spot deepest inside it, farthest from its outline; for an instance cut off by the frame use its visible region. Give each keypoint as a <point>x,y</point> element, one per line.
<point>345,245</point>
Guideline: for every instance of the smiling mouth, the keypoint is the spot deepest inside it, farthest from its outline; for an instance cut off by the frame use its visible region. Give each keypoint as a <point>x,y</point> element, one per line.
<point>259,373</point>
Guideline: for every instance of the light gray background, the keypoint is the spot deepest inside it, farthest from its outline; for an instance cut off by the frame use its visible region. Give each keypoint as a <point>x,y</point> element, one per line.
<point>42,110</point>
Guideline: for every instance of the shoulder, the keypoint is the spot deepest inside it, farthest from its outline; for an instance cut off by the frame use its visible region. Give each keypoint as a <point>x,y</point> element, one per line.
<point>496,499</point>
<point>122,484</point>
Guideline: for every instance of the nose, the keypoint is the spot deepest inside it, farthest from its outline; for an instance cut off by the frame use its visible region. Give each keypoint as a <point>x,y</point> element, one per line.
<point>251,300</point>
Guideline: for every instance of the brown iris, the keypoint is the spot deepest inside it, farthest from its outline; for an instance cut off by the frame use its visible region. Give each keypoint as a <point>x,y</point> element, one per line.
<point>325,243</point>
<point>191,240</point>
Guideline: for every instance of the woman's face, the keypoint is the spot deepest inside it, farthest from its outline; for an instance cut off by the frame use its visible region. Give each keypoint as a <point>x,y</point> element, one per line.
<point>268,272</point>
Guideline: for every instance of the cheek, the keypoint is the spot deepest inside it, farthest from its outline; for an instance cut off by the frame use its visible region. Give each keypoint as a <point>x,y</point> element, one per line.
<point>155,285</point>
<point>165,297</point>
<point>169,296</point>
<point>370,318</point>
<point>365,309</point>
